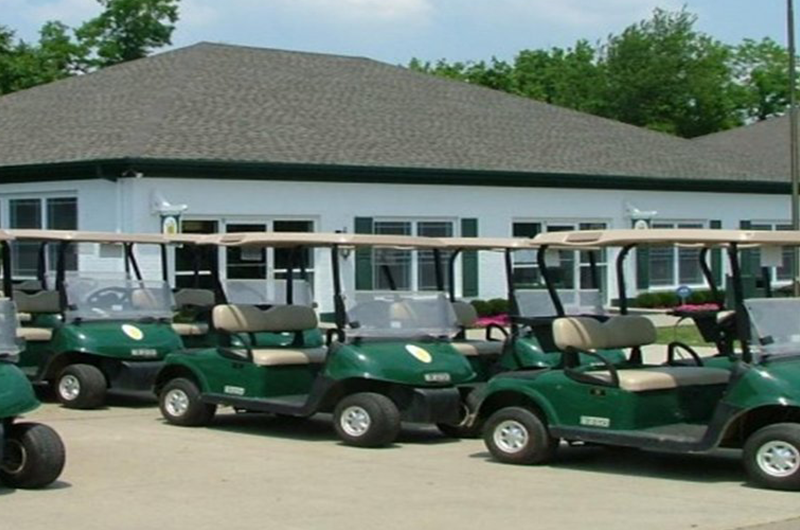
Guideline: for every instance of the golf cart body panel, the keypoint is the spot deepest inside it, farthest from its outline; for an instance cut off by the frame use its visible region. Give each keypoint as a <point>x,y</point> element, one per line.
<point>16,393</point>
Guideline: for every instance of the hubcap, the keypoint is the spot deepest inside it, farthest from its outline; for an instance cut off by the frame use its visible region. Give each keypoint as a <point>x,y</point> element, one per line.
<point>511,436</point>
<point>176,402</point>
<point>15,458</point>
<point>69,387</point>
<point>355,421</point>
<point>778,458</point>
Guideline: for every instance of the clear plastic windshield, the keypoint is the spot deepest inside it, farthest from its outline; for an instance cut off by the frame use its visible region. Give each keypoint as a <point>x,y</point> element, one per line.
<point>775,325</point>
<point>390,314</point>
<point>268,292</point>
<point>117,299</point>
<point>9,346</point>
<point>534,303</point>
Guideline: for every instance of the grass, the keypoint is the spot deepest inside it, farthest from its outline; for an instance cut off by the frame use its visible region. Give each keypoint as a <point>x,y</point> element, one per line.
<point>686,334</point>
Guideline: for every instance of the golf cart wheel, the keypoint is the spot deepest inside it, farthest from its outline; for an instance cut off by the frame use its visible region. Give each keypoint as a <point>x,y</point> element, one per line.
<point>772,456</point>
<point>181,404</point>
<point>33,456</point>
<point>81,386</point>
<point>515,435</point>
<point>367,420</point>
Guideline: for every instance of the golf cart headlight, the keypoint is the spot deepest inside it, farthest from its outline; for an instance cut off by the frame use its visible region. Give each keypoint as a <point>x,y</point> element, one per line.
<point>437,377</point>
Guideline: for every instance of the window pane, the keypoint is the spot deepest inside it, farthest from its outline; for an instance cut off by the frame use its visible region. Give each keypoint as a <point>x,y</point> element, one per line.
<point>283,255</point>
<point>185,256</point>
<point>564,274</point>
<point>662,266</point>
<point>246,263</point>
<point>392,265</point>
<point>62,214</point>
<point>426,269</point>
<point>784,272</point>
<point>689,271</point>
<point>25,213</point>
<point>525,257</point>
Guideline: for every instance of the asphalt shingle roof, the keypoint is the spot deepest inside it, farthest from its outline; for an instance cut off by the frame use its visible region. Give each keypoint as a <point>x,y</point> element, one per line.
<point>216,102</point>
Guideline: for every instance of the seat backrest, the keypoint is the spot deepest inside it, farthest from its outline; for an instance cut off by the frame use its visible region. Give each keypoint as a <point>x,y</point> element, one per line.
<point>466,315</point>
<point>195,297</point>
<point>235,318</point>
<point>586,334</point>
<point>144,299</point>
<point>29,285</point>
<point>41,302</point>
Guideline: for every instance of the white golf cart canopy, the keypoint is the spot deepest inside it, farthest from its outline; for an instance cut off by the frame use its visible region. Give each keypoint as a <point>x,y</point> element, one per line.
<point>79,236</point>
<point>486,243</point>
<point>317,239</point>
<point>658,236</point>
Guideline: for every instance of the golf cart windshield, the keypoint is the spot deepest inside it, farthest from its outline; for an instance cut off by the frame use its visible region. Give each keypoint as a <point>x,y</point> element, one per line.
<point>268,292</point>
<point>9,347</point>
<point>117,299</point>
<point>391,314</point>
<point>775,325</point>
<point>534,303</point>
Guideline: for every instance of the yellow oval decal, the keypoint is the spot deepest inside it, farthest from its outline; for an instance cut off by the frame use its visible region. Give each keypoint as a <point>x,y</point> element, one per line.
<point>419,353</point>
<point>132,331</point>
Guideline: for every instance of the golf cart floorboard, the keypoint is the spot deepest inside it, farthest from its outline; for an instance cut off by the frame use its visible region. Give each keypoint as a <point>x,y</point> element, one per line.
<point>292,405</point>
<point>672,437</point>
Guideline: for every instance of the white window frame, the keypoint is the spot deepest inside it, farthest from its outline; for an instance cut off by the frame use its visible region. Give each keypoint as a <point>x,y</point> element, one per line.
<point>773,271</point>
<point>704,224</point>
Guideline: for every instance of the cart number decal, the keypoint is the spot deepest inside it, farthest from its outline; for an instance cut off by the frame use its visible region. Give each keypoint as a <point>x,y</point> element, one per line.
<point>144,352</point>
<point>235,390</point>
<point>420,354</point>
<point>132,331</point>
<point>593,421</point>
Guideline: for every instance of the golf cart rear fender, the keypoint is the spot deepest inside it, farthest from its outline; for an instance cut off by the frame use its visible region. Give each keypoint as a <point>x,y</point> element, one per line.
<point>179,370</point>
<point>391,362</point>
<point>16,393</point>
<point>743,423</point>
<point>500,397</point>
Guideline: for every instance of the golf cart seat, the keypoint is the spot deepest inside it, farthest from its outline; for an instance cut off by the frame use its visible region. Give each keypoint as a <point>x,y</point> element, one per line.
<point>24,317</point>
<point>35,334</point>
<point>193,298</point>
<point>235,318</point>
<point>190,329</point>
<point>625,331</point>
<point>41,302</point>
<point>467,317</point>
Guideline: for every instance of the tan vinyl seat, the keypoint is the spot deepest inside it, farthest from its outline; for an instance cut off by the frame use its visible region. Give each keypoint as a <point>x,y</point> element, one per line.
<point>35,334</point>
<point>194,297</point>
<point>627,331</point>
<point>41,302</point>
<point>467,317</point>
<point>250,319</point>
<point>24,317</point>
<point>190,329</point>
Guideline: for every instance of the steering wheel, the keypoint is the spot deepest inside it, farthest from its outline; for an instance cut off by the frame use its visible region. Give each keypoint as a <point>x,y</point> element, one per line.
<point>109,296</point>
<point>673,346</point>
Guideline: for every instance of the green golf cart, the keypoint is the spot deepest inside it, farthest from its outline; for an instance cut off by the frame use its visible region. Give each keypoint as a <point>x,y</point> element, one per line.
<point>31,454</point>
<point>387,359</point>
<point>753,404</point>
<point>88,332</point>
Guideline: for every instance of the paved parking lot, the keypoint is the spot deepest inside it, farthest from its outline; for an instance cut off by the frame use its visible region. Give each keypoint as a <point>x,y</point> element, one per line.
<point>128,470</point>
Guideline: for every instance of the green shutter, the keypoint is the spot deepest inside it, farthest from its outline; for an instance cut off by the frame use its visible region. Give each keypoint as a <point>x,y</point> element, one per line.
<point>716,256</point>
<point>363,225</point>
<point>747,257</point>
<point>642,268</point>
<point>469,260</point>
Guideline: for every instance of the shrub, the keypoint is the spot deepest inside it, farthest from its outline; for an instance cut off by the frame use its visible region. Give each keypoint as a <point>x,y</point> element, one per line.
<point>482,307</point>
<point>498,306</point>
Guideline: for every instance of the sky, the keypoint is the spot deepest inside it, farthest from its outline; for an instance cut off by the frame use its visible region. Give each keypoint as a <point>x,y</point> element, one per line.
<point>394,31</point>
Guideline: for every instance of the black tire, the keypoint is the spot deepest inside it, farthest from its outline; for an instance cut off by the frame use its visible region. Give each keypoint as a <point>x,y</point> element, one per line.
<point>772,456</point>
<point>81,386</point>
<point>378,411</point>
<point>515,435</point>
<point>33,456</point>
<point>181,404</point>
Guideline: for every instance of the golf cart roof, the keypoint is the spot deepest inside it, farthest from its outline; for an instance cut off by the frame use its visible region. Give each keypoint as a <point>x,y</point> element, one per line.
<point>5,236</point>
<point>486,243</point>
<point>192,239</point>
<point>689,237</point>
<point>317,239</point>
<point>85,237</point>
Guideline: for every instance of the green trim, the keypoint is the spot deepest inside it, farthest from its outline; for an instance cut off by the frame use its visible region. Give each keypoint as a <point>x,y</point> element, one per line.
<point>364,280</point>
<point>112,169</point>
<point>642,265</point>
<point>716,256</point>
<point>469,260</point>
<point>747,257</point>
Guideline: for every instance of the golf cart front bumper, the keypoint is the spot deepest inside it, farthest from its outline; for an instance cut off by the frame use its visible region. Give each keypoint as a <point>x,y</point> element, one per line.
<point>430,405</point>
<point>133,376</point>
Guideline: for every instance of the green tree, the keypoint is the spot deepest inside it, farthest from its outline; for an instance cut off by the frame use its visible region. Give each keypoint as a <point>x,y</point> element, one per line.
<point>762,75</point>
<point>662,74</point>
<point>129,29</point>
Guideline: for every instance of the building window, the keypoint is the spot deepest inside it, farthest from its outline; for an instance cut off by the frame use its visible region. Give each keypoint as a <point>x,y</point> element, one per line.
<point>185,257</point>
<point>670,266</point>
<point>406,270</point>
<point>783,273</point>
<point>56,213</point>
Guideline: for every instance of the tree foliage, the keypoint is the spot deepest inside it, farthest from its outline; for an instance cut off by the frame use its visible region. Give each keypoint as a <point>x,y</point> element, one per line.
<point>124,30</point>
<point>660,73</point>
